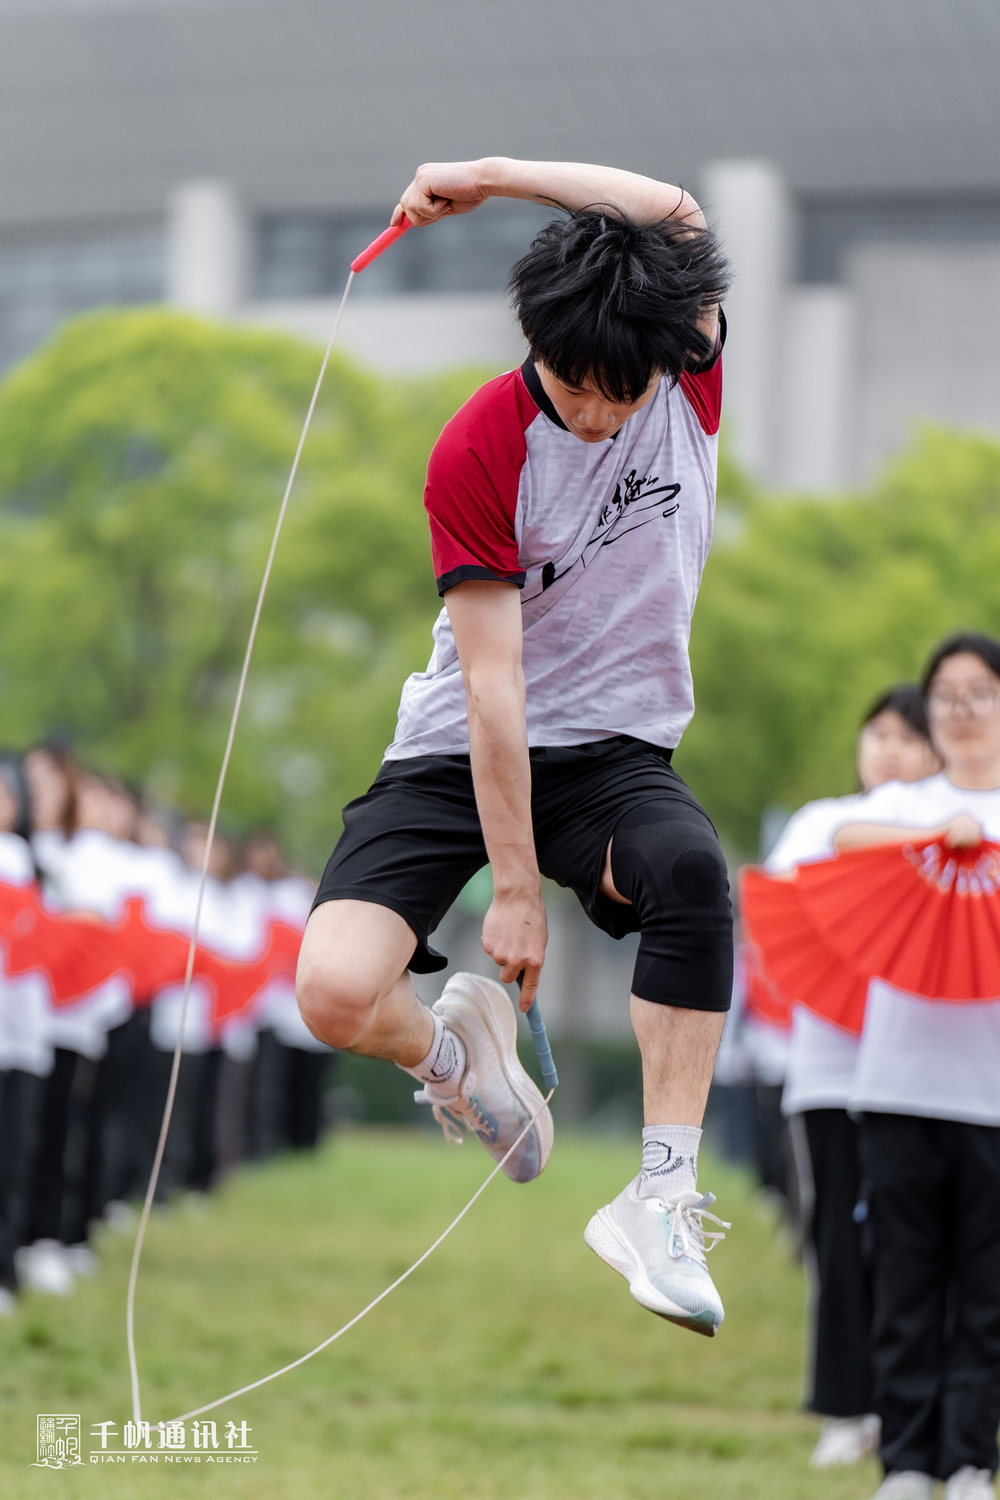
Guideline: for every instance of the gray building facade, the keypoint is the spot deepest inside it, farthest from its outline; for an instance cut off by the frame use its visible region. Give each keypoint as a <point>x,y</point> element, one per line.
<point>231,155</point>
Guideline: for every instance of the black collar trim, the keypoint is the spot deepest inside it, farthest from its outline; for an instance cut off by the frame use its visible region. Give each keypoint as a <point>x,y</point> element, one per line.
<point>537,393</point>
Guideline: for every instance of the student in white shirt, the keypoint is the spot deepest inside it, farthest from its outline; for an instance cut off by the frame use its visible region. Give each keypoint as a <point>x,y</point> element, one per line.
<point>25,1049</point>
<point>85,855</point>
<point>893,744</point>
<point>292,1066</point>
<point>927,1088</point>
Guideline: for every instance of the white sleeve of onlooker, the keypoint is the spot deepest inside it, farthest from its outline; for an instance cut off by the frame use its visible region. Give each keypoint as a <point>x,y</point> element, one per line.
<point>808,834</point>
<point>893,802</point>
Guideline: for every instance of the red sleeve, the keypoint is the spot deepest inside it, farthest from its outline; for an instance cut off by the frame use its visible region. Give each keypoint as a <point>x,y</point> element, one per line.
<point>472,485</point>
<point>704,389</point>
<point>704,392</point>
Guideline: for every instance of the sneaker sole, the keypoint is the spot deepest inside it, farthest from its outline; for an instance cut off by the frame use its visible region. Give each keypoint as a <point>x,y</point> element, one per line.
<point>490,1003</point>
<point>606,1240</point>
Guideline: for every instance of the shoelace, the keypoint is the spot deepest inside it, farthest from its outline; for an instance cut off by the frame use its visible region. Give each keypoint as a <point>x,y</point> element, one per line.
<point>687,1235</point>
<point>461,1105</point>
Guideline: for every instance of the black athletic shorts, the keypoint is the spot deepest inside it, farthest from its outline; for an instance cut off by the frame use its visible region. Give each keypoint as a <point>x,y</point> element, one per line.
<point>414,840</point>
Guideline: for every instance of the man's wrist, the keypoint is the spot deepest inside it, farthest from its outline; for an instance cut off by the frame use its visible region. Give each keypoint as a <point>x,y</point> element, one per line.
<point>495,176</point>
<point>520,882</point>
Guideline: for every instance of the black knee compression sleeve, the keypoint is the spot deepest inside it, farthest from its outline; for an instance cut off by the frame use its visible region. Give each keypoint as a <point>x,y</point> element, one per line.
<point>666,859</point>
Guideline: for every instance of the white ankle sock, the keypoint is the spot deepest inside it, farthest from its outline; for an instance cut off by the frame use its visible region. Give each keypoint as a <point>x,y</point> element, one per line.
<point>445,1062</point>
<point>669,1159</point>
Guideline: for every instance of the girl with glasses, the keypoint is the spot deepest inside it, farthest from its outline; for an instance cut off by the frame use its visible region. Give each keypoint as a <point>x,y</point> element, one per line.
<point>927,1091</point>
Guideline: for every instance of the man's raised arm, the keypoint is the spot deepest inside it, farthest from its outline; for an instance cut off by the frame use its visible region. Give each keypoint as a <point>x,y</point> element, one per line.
<point>486,620</point>
<point>441,188</point>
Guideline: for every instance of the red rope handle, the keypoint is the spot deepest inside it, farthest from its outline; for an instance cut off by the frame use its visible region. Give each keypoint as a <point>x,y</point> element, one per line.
<point>386,238</point>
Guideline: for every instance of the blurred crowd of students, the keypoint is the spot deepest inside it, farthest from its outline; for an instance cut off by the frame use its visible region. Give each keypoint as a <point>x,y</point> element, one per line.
<point>890,1146</point>
<point>83,1084</point>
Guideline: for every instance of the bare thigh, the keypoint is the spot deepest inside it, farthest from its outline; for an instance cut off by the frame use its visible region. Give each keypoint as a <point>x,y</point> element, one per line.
<point>608,882</point>
<point>352,982</point>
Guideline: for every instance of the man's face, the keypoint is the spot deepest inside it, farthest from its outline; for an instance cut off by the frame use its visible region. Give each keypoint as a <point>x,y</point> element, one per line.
<point>585,409</point>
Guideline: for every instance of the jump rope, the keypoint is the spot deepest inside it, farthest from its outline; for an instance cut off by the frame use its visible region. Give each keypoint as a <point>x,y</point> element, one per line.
<point>535,1023</point>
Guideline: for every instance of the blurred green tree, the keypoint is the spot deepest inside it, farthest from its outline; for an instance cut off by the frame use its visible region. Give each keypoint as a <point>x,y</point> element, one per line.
<point>142,460</point>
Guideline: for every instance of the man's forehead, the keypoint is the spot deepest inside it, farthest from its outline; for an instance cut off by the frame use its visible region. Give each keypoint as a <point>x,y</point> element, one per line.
<point>589,386</point>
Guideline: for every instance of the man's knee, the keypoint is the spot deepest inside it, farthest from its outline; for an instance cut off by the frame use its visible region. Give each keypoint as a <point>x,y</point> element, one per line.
<point>660,861</point>
<point>337,996</point>
<point>336,1007</point>
<point>352,955</point>
<point>673,871</point>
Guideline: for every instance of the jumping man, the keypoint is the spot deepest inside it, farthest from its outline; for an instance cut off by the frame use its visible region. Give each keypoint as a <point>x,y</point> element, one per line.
<point>571,505</point>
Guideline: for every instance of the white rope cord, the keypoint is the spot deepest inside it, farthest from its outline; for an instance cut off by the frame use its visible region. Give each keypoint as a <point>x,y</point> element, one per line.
<point>192,947</point>
<point>265,1379</point>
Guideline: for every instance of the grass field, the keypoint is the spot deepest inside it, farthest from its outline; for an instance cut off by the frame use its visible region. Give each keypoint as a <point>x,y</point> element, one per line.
<point>514,1364</point>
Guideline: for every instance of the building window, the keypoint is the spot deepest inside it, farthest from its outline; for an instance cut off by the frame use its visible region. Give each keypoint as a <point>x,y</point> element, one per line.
<point>44,281</point>
<point>309,254</point>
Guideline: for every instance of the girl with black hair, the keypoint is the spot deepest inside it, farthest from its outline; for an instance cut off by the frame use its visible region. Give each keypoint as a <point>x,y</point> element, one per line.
<point>927,1089</point>
<point>893,745</point>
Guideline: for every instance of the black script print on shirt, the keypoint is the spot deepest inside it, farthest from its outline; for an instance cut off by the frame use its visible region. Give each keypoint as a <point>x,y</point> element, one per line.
<point>631,506</point>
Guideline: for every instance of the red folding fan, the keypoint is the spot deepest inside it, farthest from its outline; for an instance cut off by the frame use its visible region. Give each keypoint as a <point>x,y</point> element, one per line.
<point>923,917</point>
<point>236,984</point>
<point>153,957</point>
<point>796,958</point>
<point>76,954</point>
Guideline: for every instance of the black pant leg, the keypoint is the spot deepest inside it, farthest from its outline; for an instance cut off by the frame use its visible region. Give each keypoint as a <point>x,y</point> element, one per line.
<point>307,1076</point>
<point>49,1182</point>
<point>177,1154</point>
<point>9,1154</point>
<point>771,1155</point>
<point>21,1099</point>
<point>128,1127</point>
<point>110,1137</point>
<point>80,1131</point>
<point>183,1157</point>
<point>970,1403</point>
<point>267,1130</point>
<point>231,1115</point>
<point>201,1167</point>
<point>842,1381</point>
<point>906,1167</point>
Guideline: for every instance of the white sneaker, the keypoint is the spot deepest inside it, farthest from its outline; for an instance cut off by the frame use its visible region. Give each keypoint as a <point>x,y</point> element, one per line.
<point>43,1267</point>
<point>81,1259</point>
<point>119,1216</point>
<point>496,1098</point>
<point>970,1484</point>
<point>906,1484</point>
<point>658,1245</point>
<point>846,1440</point>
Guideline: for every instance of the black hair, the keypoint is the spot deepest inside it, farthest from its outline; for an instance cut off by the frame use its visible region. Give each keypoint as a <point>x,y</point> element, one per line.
<point>13,777</point>
<point>972,642</point>
<point>600,296</point>
<point>59,752</point>
<point>907,700</point>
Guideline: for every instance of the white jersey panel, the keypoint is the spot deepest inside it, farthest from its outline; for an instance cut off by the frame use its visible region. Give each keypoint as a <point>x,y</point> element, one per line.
<point>613,539</point>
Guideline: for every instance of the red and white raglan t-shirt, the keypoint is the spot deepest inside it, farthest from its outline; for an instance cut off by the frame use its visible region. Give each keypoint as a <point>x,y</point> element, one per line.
<point>607,542</point>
